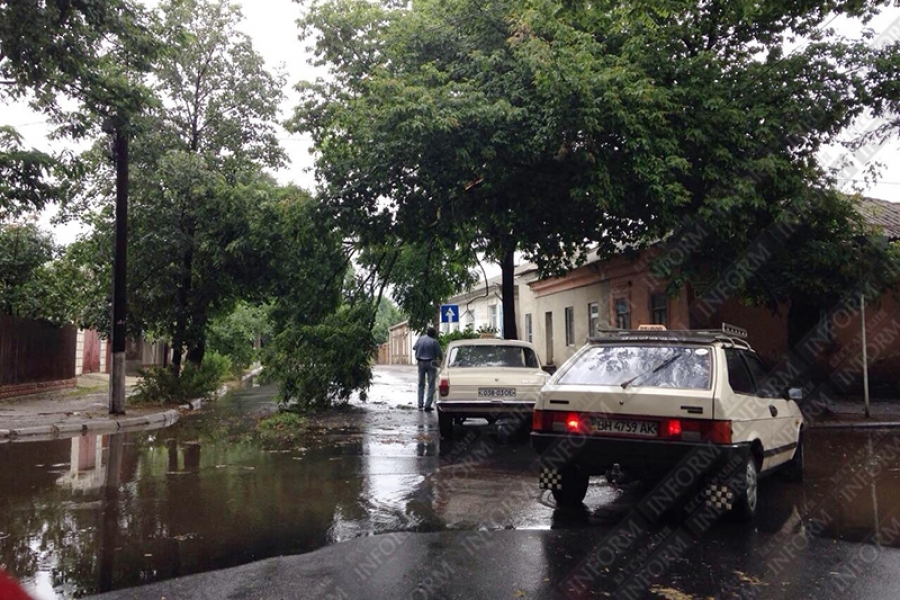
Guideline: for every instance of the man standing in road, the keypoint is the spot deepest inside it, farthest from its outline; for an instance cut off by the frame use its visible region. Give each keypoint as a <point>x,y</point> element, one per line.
<point>428,353</point>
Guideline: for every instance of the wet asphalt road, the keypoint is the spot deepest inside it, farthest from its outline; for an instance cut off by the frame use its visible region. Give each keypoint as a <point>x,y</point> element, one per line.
<point>417,517</point>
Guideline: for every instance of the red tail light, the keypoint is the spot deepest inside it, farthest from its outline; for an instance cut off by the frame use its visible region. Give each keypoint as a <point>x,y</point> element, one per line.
<point>554,420</point>
<point>673,429</point>
<point>573,423</point>
<point>695,430</point>
<point>444,387</point>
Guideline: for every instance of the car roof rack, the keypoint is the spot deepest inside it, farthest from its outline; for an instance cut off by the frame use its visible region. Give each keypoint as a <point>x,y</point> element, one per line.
<point>729,334</point>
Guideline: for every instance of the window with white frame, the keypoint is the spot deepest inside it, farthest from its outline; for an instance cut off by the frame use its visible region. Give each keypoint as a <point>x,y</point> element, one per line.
<point>593,319</point>
<point>570,326</point>
<point>493,314</point>
<point>529,329</point>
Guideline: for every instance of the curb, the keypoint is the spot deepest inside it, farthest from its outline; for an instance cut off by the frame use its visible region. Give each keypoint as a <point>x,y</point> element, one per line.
<point>72,429</point>
<point>857,425</point>
<point>80,428</point>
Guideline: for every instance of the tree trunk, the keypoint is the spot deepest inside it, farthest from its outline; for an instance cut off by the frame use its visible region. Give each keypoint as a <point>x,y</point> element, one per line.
<point>181,307</point>
<point>197,352</point>
<point>508,267</point>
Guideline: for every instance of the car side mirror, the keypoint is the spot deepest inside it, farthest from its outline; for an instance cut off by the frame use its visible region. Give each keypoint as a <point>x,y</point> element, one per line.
<point>793,393</point>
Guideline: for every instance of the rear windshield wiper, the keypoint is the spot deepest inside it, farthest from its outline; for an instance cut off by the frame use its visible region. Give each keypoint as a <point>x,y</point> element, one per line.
<point>657,369</point>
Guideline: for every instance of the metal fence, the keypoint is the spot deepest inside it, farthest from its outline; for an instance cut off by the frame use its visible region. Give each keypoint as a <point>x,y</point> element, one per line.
<point>35,351</point>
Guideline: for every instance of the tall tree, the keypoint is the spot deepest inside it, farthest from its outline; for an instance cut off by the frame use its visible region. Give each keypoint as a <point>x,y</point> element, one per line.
<point>57,53</point>
<point>545,126</point>
<point>197,160</point>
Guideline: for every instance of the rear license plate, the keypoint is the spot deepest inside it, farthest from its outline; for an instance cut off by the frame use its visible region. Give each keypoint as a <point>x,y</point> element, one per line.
<point>496,392</point>
<point>638,428</point>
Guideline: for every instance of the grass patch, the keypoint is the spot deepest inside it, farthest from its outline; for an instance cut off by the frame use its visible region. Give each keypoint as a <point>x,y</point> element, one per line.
<point>282,428</point>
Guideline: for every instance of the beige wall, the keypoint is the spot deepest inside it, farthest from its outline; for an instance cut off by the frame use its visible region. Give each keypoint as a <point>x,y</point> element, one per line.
<point>555,303</point>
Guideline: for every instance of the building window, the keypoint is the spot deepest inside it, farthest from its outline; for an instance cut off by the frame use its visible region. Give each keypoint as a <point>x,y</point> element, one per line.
<point>623,313</point>
<point>548,336</point>
<point>529,329</point>
<point>470,320</point>
<point>570,326</point>
<point>593,319</point>
<point>659,309</point>
<point>492,317</point>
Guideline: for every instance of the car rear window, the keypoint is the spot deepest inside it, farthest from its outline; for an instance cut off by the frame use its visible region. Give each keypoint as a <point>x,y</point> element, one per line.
<point>492,356</point>
<point>686,367</point>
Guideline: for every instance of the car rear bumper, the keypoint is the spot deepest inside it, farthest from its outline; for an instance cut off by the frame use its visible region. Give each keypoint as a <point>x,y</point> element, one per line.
<point>644,458</point>
<point>486,408</point>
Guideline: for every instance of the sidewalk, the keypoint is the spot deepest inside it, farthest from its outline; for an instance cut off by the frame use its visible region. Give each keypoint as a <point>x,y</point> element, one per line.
<point>849,413</point>
<point>72,412</point>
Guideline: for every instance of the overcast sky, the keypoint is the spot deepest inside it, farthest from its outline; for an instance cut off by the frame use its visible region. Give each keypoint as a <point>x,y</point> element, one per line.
<point>272,26</point>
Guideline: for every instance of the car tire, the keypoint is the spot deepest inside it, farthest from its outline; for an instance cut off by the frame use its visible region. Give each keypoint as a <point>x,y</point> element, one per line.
<point>748,503</point>
<point>445,424</point>
<point>793,469</point>
<point>573,487</point>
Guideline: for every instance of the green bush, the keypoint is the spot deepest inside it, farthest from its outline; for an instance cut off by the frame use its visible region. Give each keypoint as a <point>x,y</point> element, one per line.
<point>320,365</point>
<point>464,334</point>
<point>159,385</point>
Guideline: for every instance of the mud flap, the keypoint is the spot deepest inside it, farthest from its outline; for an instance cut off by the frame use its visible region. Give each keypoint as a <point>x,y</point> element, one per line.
<point>550,479</point>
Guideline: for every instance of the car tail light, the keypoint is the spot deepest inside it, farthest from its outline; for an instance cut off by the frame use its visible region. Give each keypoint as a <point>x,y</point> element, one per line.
<point>573,422</point>
<point>444,387</point>
<point>673,428</point>
<point>718,432</point>
<point>554,420</point>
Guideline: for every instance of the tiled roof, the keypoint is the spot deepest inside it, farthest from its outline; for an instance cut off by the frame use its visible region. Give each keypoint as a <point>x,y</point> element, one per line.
<point>881,214</point>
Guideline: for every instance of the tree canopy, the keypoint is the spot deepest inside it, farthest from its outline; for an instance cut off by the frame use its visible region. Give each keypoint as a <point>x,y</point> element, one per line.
<point>550,126</point>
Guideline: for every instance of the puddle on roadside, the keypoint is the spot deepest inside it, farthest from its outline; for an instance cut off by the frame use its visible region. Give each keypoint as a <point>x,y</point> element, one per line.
<point>851,488</point>
<point>99,512</point>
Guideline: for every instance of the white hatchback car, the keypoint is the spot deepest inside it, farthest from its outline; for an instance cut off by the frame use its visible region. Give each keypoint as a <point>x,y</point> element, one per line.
<point>647,402</point>
<point>488,378</point>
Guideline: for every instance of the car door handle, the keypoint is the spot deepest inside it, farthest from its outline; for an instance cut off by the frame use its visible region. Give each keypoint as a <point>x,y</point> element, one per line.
<point>773,410</point>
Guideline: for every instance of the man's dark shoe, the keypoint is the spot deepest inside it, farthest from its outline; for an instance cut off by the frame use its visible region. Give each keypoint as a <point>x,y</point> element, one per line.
<point>428,409</point>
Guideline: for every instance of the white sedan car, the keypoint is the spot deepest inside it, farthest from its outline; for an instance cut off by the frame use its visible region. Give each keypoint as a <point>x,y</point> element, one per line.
<point>490,379</point>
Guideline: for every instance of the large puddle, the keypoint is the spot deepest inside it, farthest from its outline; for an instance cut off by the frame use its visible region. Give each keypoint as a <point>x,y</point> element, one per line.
<point>94,513</point>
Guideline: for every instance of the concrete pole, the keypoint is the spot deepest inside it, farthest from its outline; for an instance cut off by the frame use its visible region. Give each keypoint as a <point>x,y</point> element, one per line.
<point>117,376</point>
<point>865,357</point>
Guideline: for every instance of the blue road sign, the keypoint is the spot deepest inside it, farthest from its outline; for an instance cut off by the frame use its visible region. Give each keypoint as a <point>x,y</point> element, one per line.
<point>449,313</point>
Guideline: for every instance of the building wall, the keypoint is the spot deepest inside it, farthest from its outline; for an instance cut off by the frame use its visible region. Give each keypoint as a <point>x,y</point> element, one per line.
<point>578,289</point>
<point>400,345</point>
<point>79,353</point>
<point>475,309</point>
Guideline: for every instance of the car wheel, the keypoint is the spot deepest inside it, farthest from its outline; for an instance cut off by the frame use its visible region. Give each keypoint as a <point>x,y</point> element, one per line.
<point>793,469</point>
<point>573,486</point>
<point>445,425</point>
<point>747,505</point>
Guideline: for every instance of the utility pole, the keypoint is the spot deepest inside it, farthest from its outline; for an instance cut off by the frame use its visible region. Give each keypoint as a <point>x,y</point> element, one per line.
<point>117,376</point>
<point>865,353</point>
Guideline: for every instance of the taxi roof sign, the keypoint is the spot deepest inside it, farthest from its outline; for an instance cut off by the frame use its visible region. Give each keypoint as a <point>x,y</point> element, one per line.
<point>651,327</point>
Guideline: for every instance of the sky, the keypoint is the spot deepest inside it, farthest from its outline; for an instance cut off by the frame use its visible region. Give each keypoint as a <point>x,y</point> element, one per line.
<point>272,26</point>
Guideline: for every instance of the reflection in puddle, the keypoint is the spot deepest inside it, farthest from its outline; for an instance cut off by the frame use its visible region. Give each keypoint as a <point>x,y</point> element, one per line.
<point>852,486</point>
